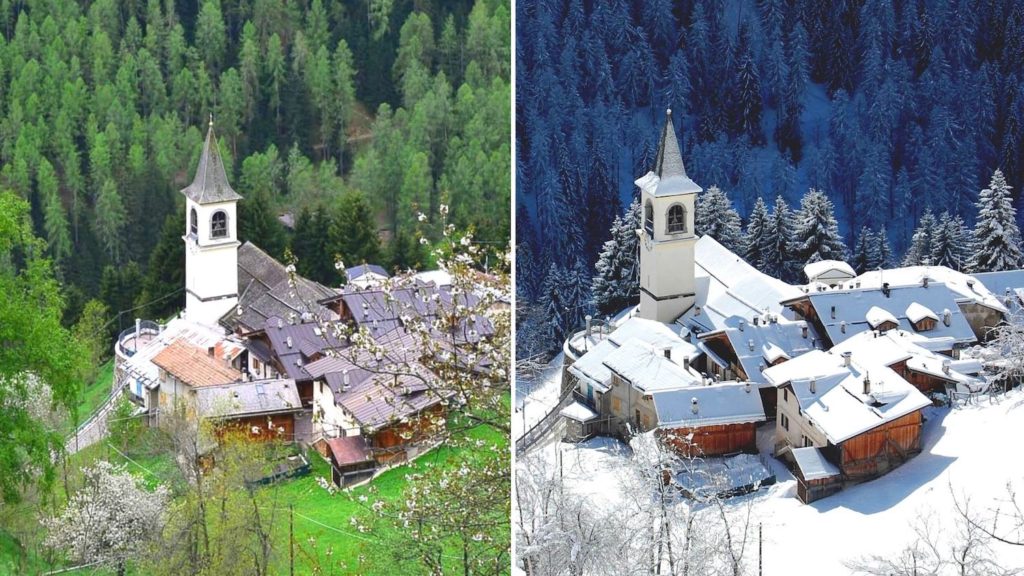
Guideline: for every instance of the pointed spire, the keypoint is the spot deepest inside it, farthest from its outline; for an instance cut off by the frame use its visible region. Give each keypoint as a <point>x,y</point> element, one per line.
<point>669,162</point>
<point>210,184</point>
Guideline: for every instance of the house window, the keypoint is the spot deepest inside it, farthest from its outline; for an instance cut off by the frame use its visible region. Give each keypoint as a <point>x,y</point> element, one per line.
<point>616,404</point>
<point>785,421</point>
<point>649,219</point>
<point>785,394</point>
<point>807,442</point>
<point>637,418</point>
<point>256,364</point>
<point>676,219</point>
<point>219,225</point>
<point>193,223</point>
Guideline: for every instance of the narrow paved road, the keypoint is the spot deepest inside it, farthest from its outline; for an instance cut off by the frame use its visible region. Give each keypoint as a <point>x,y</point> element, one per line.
<point>94,429</point>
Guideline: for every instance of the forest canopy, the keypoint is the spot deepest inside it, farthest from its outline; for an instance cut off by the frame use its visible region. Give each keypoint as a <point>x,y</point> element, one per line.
<point>354,116</point>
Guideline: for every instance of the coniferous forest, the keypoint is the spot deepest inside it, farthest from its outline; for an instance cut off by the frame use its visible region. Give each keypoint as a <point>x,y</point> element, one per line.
<point>860,129</point>
<point>349,117</point>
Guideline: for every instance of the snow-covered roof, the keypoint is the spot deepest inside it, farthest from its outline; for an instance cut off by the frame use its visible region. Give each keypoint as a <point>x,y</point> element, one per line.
<point>916,312</point>
<point>578,412</point>
<point>718,404</point>
<point>813,465</point>
<point>844,312</point>
<point>837,268</point>
<point>759,345</point>
<point>668,176</point>
<point>877,316</point>
<point>727,286</point>
<point>591,368</point>
<point>834,396</point>
<point>647,368</point>
<point>962,285</point>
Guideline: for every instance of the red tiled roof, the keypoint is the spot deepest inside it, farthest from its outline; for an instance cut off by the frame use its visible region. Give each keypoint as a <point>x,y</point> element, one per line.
<point>194,366</point>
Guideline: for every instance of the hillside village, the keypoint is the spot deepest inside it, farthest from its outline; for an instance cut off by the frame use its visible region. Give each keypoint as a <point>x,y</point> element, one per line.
<point>832,377</point>
<point>262,350</point>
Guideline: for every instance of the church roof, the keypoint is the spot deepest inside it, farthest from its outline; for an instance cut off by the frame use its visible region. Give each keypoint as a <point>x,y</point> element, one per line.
<point>210,184</point>
<point>668,176</point>
<point>669,162</point>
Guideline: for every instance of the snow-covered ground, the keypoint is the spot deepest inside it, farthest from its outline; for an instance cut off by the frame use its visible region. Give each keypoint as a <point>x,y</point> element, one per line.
<point>536,395</point>
<point>973,451</point>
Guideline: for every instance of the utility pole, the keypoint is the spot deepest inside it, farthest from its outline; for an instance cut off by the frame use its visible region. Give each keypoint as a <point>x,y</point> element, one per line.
<point>760,563</point>
<point>291,538</point>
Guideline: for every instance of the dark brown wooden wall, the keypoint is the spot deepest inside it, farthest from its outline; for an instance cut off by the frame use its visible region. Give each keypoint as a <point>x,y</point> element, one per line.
<point>286,421</point>
<point>711,440</point>
<point>878,450</point>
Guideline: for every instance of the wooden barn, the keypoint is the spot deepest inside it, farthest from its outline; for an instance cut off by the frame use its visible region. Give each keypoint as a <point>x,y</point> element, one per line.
<point>263,409</point>
<point>816,477</point>
<point>709,420</point>
<point>351,460</point>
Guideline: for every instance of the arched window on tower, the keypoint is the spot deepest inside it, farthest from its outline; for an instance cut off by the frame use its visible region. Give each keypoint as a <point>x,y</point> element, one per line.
<point>649,218</point>
<point>219,225</point>
<point>676,219</point>
<point>193,223</point>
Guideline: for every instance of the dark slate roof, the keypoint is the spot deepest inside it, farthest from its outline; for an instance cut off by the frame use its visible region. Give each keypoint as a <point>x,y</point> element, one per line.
<point>242,399</point>
<point>373,309</point>
<point>210,184</point>
<point>363,269</point>
<point>669,161</point>
<point>265,293</point>
<point>297,345</point>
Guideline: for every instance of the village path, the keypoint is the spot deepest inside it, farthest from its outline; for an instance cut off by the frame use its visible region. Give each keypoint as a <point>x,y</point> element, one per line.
<point>94,429</point>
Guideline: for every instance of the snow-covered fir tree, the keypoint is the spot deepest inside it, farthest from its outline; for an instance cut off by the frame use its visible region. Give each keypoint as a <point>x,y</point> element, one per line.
<point>717,218</point>
<point>864,251</point>
<point>996,235</point>
<point>755,240</point>
<point>951,243</point>
<point>920,250</point>
<point>883,251</point>
<point>778,235</point>
<point>816,236</point>
<point>553,294</point>
<point>616,284</point>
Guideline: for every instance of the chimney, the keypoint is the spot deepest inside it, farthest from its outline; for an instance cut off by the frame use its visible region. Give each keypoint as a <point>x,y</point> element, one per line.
<point>833,312</point>
<point>746,387</point>
<point>210,351</point>
<point>945,366</point>
<point>867,384</point>
<point>842,326</point>
<point>803,331</point>
<point>280,323</point>
<point>885,289</point>
<point>814,386</point>
<point>757,320</point>
<point>138,331</point>
<point>846,358</point>
<point>288,341</point>
<point>924,282</point>
<point>696,311</point>
<point>686,362</point>
<point>947,317</point>
<point>750,344</point>
<point>970,283</point>
<point>344,380</point>
<point>693,405</point>
<point>743,324</point>
<point>667,351</point>
<point>588,318</point>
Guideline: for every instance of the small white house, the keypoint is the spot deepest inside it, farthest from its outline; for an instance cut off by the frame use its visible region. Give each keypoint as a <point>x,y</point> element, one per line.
<point>829,272</point>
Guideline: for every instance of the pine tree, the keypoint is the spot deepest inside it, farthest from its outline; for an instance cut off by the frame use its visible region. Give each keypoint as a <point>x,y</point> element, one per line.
<point>552,302</point>
<point>756,238</point>
<point>920,251</point>
<point>996,235</point>
<point>778,234</point>
<point>717,218</point>
<point>165,274</point>
<point>943,252</point>
<point>863,252</point>
<point>258,223</point>
<point>883,252</point>
<point>616,283</point>
<point>817,236</point>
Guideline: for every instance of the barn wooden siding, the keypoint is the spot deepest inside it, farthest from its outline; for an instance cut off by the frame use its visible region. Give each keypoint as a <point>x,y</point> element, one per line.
<point>266,431</point>
<point>810,490</point>
<point>389,444</point>
<point>711,440</point>
<point>880,449</point>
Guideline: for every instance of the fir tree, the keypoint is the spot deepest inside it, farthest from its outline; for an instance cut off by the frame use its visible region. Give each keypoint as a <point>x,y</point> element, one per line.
<point>716,217</point>
<point>816,236</point>
<point>996,235</point>
<point>920,251</point>
<point>616,283</point>
<point>552,303</point>
<point>778,234</point>
<point>165,274</point>
<point>863,252</point>
<point>756,239</point>
<point>883,252</point>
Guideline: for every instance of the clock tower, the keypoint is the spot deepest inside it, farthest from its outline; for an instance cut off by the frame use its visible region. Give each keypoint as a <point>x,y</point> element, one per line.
<point>667,239</point>
<point>211,239</point>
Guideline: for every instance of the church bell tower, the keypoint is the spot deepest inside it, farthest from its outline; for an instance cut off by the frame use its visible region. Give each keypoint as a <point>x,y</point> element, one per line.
<point>211,239</point>
<point>667,239</point>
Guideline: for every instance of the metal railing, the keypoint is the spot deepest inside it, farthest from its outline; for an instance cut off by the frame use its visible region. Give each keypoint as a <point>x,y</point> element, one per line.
<point>540,429</point>
<point>145,327</point>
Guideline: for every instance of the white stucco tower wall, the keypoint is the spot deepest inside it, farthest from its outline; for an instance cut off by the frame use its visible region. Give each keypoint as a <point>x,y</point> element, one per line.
<point>211,239</point>
<point>667,239</point>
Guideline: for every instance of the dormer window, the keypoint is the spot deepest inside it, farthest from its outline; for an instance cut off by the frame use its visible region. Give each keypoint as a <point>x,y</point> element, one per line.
<point>676,219</point>
<point>219,225</point>
<point>193,223</point>
<point>649,219</point>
